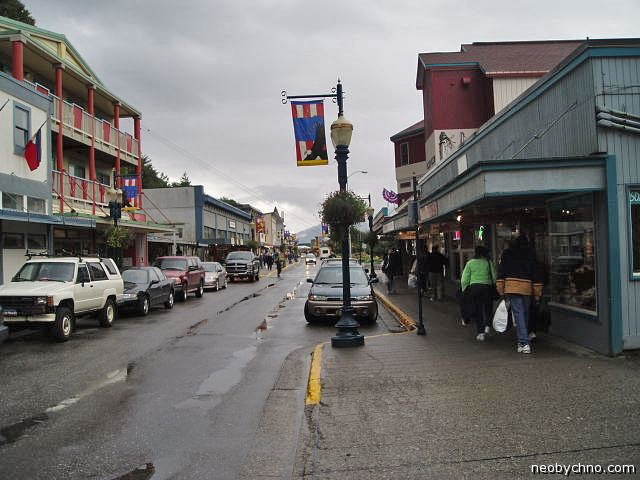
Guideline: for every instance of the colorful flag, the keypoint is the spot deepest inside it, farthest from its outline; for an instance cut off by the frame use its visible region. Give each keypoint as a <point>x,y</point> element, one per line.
<point>33,151</point>
<point>308,128</point>
<point>130,186</point>
<point>390,196</point>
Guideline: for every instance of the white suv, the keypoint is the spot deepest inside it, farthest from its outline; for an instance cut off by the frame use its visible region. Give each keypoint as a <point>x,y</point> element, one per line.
<point>54,291</point>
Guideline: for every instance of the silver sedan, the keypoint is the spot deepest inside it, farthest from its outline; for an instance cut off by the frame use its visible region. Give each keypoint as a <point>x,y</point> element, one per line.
<point>215,275</point>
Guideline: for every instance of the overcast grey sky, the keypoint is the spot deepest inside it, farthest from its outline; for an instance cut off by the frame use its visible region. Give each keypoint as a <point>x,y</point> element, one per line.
<point>207,76</point>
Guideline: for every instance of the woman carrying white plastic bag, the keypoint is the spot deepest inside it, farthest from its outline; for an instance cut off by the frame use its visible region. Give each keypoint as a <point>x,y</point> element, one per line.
<point>501,317</point>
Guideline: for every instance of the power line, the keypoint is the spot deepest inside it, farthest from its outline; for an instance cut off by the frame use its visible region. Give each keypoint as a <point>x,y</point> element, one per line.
<point>189,155</point>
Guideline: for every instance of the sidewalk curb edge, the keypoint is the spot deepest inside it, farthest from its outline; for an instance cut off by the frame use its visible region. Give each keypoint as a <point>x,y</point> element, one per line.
<point>314,385</point>
<point>403,317</point>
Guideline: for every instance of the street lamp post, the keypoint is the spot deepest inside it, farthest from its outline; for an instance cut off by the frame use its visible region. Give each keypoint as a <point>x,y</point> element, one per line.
<point>348,335</point>
<point>370,218</point>
<point>416,196</point>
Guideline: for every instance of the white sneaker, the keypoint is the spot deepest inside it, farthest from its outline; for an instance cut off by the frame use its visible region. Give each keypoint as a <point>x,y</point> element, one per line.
<point>480,337</point>
<point>532,336</point>
<point>487,330</point>
<point>524,349</point>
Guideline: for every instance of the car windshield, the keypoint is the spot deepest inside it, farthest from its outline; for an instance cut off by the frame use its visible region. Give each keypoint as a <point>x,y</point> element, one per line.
<point>239,256</point>
<point>311,255</point>
<point>45,272</point>
<point>135,276</point>
<point>333,275</point>
<point>171,263</point>
<point>209,267</point>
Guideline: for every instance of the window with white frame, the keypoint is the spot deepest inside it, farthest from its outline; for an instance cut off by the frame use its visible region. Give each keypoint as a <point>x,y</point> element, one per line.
<point>36,205</point>
<point>21,122</point>
<point>634,231</point>
<point>404,154</point>
<point>12,201</point>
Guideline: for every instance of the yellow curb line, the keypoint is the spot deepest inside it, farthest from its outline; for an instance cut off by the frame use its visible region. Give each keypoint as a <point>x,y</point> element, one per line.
<point>314,386</point>
<point>403,317</point>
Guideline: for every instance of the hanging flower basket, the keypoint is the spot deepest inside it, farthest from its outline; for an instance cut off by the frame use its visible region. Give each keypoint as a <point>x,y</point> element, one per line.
<point>342,209</point>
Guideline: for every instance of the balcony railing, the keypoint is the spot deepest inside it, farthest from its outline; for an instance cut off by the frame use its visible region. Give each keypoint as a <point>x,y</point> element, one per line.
<point>79,192</point>
<point>81,125</point>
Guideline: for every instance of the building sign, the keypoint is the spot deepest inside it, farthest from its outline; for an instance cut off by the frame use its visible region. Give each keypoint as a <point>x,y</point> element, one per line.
<point>308,128</point>
<point>259,225</point>
<point>232,224</point>
<point>634,197</point>
<point>428,211</point>
<point>407,235</point>
<point>387,227</point>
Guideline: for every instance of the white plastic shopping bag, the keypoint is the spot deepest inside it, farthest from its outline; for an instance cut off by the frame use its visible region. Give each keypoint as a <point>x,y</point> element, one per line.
<point>382,278</point>
<point>501,317</point>
<point>412,280</point>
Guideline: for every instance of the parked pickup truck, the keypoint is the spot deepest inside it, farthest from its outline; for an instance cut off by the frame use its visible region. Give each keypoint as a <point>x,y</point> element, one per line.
<point>53,291</point>
<point>187,274</point>
<point>242,264</point>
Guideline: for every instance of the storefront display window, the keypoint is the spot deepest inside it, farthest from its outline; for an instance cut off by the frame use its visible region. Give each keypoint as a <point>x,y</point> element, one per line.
<point>634,208</point>
<point>572,252</point>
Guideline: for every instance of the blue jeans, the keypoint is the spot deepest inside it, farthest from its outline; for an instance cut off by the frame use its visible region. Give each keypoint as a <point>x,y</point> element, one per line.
<point>520,308</point>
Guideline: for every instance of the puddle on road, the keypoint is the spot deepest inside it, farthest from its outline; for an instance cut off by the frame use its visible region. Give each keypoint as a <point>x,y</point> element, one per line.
<point>210,391</point>
<point>13,432</point>
<point>143,472</point>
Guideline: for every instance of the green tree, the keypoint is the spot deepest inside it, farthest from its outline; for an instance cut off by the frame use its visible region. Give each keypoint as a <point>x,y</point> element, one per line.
<point>184,181</point>
<point>152,178</point>
<point>231,201</point>
<point>16,10</point>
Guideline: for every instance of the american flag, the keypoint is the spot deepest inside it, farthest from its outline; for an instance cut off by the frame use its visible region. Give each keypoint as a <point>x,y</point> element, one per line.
<point>130,186</point>
<point>390,196</point>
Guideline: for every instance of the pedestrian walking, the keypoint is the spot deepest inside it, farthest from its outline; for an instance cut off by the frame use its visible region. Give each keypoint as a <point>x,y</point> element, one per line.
<point>392,267</point>
<point>435,268</point>
<point>269,261</point>
<point>278,261</point>
<point>478,277</point>
<point>518,280</point>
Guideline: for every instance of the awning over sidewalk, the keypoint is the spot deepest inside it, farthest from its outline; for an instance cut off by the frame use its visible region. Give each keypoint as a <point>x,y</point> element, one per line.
<point>500,178</point>
<point>28,217</point>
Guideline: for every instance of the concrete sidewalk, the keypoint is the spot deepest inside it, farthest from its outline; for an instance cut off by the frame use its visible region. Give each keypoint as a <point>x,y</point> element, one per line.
<point>446,406</point>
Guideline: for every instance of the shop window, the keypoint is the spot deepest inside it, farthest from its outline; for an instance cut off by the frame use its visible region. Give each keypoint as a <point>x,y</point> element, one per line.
<point>634,208</point>
<point>13,240</point>
<point>36,241</point>
<point>36,205</point>
<point>12,201</point>
<point>21,124</point>
<point>104,178</point>
<point>404,154</point>
<point>79,171</point>
<point>572,250</point>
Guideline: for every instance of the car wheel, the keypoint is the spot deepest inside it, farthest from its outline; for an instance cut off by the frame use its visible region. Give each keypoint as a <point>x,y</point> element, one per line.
<point>107,314</point>
<point>183,294</point>
<point>143,308</point>
<point>217,285</point>
<point>63,325</point>
<point>311,319</point>
<point>225,283</point>
<point>257,277</point>
<point>200,290</point>
<point>170,301</point>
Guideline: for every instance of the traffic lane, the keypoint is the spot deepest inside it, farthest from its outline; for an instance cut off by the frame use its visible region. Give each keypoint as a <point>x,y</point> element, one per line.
<point>158,403</point>
<point>37,373</point>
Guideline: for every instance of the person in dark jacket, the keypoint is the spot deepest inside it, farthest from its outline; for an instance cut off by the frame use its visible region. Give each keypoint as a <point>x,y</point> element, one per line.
<point>519,282</point>
<point>435,268</point>
<point>392,267</point>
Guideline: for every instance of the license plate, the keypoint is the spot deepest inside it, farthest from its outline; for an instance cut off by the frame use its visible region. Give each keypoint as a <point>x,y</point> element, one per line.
<point>10,313</point>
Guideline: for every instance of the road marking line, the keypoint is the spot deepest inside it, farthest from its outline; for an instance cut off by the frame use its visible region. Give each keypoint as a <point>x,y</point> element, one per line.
<point>314,386</point>
<point>112,377</point>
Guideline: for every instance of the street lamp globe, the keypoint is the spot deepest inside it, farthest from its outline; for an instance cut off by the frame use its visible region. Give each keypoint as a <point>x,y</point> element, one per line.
<point>370,212</point>
<point>341,130</point>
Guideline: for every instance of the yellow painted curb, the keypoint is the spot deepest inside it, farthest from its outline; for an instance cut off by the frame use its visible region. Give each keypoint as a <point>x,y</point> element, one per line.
<point>403,317</point>
<point>314,386</point>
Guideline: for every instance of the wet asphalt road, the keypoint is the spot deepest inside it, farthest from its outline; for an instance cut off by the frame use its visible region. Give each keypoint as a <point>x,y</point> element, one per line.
<point>179,392</point>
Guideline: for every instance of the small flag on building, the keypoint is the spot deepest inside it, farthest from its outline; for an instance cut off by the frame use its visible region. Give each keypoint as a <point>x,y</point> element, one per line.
<point>390,196</point>
<point>325,229</point>
<point>308,128</point>
<point>130,186</point>
<point>33,151</point>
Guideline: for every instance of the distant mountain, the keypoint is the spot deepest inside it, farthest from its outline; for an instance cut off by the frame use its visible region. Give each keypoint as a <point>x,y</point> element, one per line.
<point>305,236</point>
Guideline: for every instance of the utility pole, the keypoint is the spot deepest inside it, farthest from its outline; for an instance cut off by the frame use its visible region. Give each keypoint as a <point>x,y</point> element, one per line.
<point>421,330</point>
<point>370,218</point>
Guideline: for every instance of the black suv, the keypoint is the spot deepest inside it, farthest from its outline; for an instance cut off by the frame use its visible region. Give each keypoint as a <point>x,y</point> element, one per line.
<point>242,264</point>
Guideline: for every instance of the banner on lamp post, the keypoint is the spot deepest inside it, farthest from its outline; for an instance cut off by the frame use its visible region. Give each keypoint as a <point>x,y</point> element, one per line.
<point>308,129</point>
